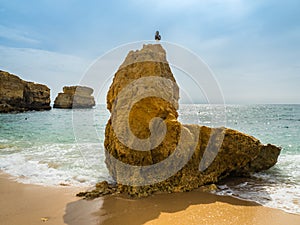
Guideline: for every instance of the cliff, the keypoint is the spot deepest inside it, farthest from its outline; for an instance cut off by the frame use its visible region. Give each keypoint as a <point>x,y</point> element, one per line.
<point>75,97</point>
<point>149,150</point>
<point>17,95</point>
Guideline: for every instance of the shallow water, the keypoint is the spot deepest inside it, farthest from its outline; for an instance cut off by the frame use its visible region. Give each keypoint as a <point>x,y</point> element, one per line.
<point>65,147</point>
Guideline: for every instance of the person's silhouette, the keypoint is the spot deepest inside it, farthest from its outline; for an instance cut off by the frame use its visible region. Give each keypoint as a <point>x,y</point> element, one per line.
<point>157,36</point>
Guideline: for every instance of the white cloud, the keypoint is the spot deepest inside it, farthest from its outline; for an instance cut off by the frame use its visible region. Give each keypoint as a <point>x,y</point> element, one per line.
<point>53,69</point>
<point>16,35</point>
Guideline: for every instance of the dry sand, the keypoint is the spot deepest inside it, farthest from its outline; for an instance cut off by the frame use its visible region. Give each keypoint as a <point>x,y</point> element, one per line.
<point>28,204</point>
<point>22,204</point>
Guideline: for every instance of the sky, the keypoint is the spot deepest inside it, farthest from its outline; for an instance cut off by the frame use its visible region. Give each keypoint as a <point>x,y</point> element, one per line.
<point>252,47</point>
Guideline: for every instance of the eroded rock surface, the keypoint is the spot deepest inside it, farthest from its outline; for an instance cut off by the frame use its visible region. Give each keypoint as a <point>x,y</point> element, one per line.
<point>75,97</point>
<point>17,95</point>
<point>145,155</point>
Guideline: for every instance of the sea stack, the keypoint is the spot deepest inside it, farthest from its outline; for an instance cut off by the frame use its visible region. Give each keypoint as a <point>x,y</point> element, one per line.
<point>17,95</point>
<point>75,97</point>
<point>149,150</point>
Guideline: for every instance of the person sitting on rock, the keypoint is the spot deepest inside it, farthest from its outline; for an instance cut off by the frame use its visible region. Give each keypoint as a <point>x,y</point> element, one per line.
<point>157,36</point>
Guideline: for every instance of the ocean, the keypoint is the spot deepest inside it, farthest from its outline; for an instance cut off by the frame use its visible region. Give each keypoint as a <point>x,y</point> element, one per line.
<point>65,147</point>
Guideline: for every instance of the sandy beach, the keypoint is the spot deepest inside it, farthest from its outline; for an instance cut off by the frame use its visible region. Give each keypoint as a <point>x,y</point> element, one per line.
<point>192,208</point>
<point>33,204</point>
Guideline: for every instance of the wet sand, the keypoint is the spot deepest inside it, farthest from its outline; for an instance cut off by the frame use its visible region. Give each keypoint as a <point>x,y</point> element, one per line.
<point>192,208</point>
<point>29,204</point>
<point>33,204</point>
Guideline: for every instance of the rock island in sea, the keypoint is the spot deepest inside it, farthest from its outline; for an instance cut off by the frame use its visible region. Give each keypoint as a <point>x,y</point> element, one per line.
<point>148,150</point>
<point>17,95</point>
<point>75,97</point>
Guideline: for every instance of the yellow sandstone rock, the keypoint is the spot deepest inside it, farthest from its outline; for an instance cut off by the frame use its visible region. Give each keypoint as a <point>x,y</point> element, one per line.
<point>75,97</point>
<point>17,95</point>
<point>149,150</point>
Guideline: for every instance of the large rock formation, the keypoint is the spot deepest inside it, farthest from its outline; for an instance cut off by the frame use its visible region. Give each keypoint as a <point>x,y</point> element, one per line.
<point>144,155</point>
<point>75,97</point>
<point>17,95</point>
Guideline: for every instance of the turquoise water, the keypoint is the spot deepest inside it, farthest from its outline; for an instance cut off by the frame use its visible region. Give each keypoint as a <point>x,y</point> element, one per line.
<point>53,147</point>
<point>278,187</point>
<point>276,124</point>
<point>66,147</point>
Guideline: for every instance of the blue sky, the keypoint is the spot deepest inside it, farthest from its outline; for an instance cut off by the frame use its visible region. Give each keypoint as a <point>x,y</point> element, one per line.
<point>253,47</point>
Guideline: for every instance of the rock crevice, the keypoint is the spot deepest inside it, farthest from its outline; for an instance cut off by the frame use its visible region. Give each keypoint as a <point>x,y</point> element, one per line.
<point>188,156</point>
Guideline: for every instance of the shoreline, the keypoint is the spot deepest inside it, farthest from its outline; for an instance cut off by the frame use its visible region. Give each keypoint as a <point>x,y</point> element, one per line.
<point>30,204</point>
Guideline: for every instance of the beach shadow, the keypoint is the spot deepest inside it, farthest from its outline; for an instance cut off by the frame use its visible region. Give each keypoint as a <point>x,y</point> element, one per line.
<point>122,210</point>
<point>83,212</point>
